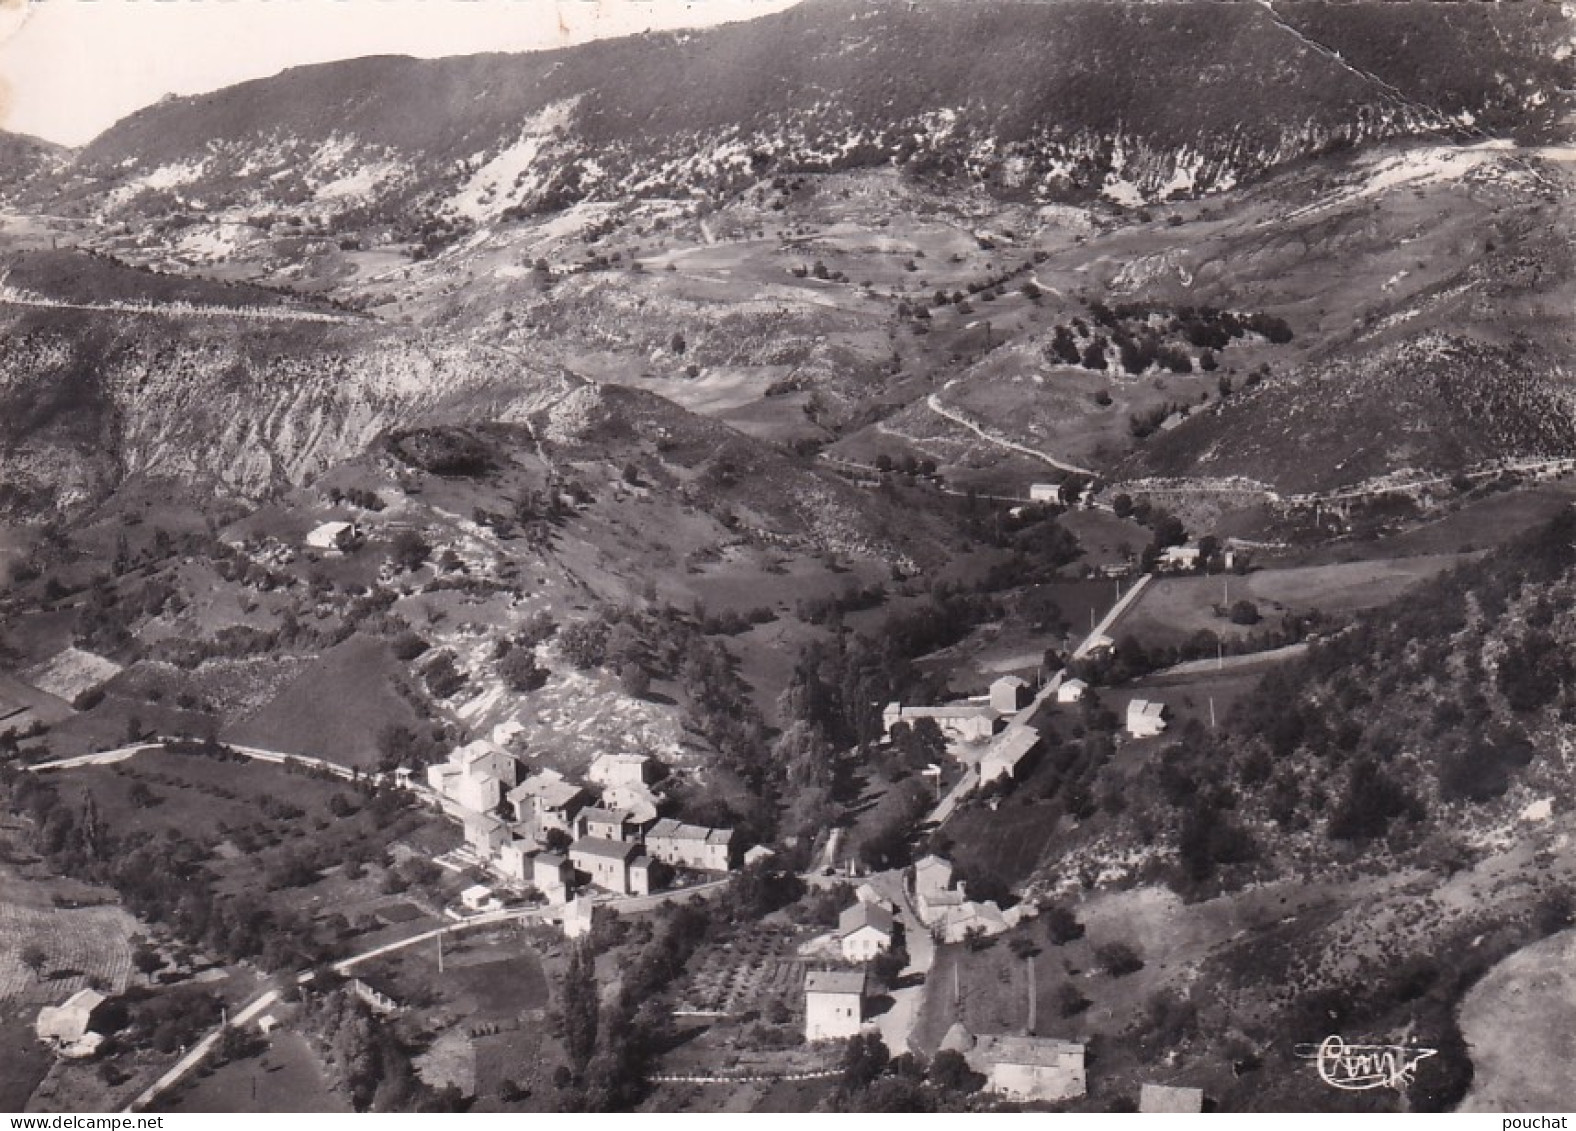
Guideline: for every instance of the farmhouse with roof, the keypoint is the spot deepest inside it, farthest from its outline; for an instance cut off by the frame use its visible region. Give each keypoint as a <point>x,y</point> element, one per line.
<point>553,875</point>
<point>1009,751</point>
<point>333,537</point>
<point>1145,718</point>
<point>834,1004</point>
<point>609,864</point>
<point>1071,690</point>
<point>864,931</point>
<point>1021,1068</point>
<point>68,1027</point>
<point>691,846</point>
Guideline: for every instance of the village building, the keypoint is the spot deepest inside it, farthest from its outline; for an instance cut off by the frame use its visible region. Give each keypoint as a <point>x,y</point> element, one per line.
<point>1009,752</point>
<point>553,875</point>
<point>932,874</point>
<point>642,880</point>
<point>1163,1098</point>
<point>605,862</point>
<point>1096,644</point>
<point>68,1027</point>
<point>1045,492</point>
<point>1023,1069</point>
<point>548,802</point>
<point>479,897</point>
<point>512,861</point>
<point>609,770</point>
<point>603,824</point>
<point>966,919</point>
<point>1010,694</point>
<point>1180,559</point>
<point>637,802</point>
<point>485,834</point>
<point>1145,718</point>
<point>579,917</point>
<point>335,537</point>
<point>691,846</point>
<point>834,1004</point>
<point>1071,691</point>
<point>864,931</point>
<point>963,722</point>
<point>758,853</point>
<point>475,776</point>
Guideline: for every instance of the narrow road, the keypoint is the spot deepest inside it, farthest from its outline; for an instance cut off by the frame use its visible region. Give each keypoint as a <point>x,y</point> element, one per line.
<point>933,402</point>
<point>200,1050</point>
<point>897,1024</point>
<point>1115,614</point>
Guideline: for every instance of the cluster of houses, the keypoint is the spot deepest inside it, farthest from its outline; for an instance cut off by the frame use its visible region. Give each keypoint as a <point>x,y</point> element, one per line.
<point>991,718</point>
<point>555,834</point>
<point>943,905</point>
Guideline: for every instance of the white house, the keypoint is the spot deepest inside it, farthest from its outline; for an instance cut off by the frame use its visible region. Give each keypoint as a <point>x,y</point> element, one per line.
<point>1145,718</point>
<point>1023,1069</point>
<point>485,834</point>
<point>864,931</point>
<point>479,897</point>
<point>333,536</point>
<point>609,770</point>
<point>834,1004</point>
<point>1045,492</point>
<point>1010,694</point>
<point>1180,559</point>
<point>474,776</point>
<point>68,1027</point>
<point>1008,752</point>
<point>1071,690</point>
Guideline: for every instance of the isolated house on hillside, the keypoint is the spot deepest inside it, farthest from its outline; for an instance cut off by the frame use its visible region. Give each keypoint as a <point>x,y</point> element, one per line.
<point>1010,694</point>
<point>1045,492</point>
<point>333,536</point>
<point>479,897</point>
<point>1009,751</point>
<point>1071,691</point>
<point>1024,1069</point>
<point>1179,559</point>
<point>691,846</point>
<point>1145,718</point>
<point>68,1027</point>
<point>864,931</point>
<point>834,1004</point>
<point>964,722</point>
<point>609,770</point>
<point>1162,1098</point>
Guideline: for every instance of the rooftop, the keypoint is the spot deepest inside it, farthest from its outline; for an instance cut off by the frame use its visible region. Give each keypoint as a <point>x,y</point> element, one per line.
<point>1036,1052</point>
<point>834,982</point>
<point>862,915</point>
<point>608,849</point>
<point>1165,1098</point>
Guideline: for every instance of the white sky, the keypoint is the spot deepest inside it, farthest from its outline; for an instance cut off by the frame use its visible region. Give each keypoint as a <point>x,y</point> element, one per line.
<point>70,68</point>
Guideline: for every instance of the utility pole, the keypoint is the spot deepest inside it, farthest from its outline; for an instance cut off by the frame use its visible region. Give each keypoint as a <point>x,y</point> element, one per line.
<point>440,952</point>
<point>1211,712</point>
